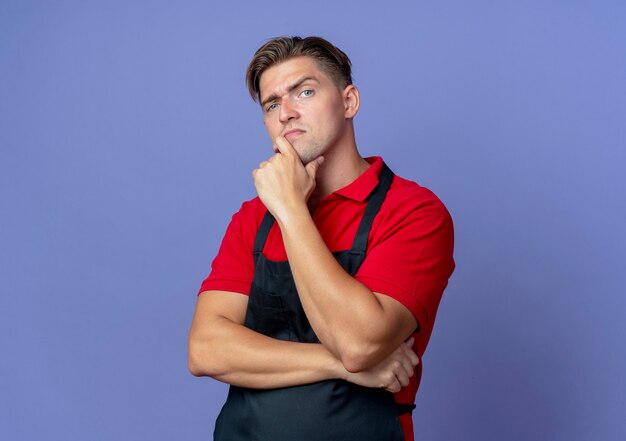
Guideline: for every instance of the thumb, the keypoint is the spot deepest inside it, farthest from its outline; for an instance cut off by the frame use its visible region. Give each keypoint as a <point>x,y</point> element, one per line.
<point>313,166</point>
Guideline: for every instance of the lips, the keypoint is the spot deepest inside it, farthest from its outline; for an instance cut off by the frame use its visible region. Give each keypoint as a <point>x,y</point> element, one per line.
<point>292,134</point>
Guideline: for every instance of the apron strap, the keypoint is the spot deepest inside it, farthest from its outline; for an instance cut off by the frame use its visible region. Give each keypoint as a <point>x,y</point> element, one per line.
<point>263,232</point>
<point>371,210</point>
<point>405,408</point>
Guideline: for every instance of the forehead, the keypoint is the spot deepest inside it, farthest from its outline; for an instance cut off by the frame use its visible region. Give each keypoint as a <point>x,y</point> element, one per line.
<point>278,78</point>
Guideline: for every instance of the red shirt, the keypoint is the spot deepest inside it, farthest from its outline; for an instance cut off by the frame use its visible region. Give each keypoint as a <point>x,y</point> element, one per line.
<point>408,257</point>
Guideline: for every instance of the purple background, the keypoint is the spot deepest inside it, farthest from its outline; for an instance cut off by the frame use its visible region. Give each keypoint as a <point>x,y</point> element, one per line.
<point>127,140</point>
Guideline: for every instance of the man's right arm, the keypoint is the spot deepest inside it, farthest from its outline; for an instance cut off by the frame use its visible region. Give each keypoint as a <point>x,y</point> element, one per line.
<point>222,348</point>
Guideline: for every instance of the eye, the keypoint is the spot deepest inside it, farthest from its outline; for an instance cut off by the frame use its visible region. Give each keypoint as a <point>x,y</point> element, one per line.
<point>306,93</point>
<point>271,107</point>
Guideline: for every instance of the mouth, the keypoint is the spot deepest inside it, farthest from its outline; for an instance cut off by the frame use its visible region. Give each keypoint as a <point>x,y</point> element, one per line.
<point>292,134</point>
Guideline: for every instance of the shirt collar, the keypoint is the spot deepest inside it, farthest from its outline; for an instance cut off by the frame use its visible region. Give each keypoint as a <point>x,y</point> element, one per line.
<point>361,187</point>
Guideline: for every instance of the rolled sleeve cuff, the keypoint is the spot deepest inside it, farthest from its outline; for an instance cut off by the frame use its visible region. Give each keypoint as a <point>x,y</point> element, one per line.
<point>225,285</point>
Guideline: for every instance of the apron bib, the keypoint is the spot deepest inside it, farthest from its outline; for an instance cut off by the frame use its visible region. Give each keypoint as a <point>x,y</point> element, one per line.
<point>323,411</point>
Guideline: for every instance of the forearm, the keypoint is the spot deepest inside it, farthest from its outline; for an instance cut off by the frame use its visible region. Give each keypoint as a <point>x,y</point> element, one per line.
<point>346,316</point>
<point>236,355</point>
<point>358,326</point>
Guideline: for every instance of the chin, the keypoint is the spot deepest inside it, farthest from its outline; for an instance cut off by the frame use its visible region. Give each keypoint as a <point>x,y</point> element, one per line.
<point>306,158</point>
<point>307,153</point>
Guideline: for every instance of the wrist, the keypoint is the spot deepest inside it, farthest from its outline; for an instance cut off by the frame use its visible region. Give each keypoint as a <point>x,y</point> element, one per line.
<point>289,217</point>
<point>337,370</point>
<point>331,366</point>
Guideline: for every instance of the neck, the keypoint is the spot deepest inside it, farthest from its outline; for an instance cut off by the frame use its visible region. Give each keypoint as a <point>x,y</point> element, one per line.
<point>341,166</point>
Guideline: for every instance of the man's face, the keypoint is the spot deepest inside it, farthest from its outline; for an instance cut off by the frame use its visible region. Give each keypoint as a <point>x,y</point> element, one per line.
<point>303,104</point>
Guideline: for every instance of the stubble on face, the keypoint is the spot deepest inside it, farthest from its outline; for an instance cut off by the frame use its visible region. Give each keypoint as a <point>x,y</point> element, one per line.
<point>307,149</point>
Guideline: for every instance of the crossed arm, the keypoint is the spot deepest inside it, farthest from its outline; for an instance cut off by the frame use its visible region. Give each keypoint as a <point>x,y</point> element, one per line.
<point>222,348</point>
<point>362,333</point>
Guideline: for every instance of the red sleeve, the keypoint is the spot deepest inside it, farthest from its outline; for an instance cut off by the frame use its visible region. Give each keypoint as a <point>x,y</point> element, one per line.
<point>233,267</point>
<point>412,260</point>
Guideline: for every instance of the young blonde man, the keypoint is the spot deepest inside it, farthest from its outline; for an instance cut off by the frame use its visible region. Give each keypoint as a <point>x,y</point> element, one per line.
<point>323,295</point>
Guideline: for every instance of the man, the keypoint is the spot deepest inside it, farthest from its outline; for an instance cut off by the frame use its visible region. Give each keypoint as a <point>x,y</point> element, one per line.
<point>325,288</point>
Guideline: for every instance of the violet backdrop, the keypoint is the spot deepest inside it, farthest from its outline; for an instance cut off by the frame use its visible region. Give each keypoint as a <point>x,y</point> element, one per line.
<point>127,141</point>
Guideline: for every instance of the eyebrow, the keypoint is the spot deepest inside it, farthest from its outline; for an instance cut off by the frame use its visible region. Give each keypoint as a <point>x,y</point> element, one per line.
<point>295,85</point>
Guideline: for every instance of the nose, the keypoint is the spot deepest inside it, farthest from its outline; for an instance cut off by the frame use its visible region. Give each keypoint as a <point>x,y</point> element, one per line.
<point>288,111</point>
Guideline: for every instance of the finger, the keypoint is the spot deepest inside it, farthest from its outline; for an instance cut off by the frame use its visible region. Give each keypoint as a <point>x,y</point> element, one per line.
<point>411,353</point>
<point>283,146</point>
<point>403,376</point>
<point>415,360</point>
<point>313,166</point>
<point>407,363</point>
<point>404,380</point>
<point>394,386</point>
<point>411,356</point>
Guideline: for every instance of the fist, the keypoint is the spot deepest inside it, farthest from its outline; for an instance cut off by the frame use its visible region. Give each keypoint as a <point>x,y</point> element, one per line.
<point>282,182</point>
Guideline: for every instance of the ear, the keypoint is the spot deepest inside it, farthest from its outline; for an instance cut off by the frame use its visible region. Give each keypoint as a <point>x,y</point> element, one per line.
<point>351,101</point>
